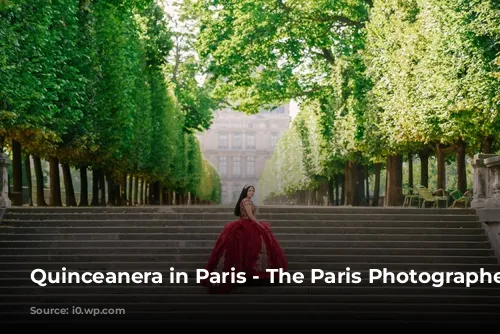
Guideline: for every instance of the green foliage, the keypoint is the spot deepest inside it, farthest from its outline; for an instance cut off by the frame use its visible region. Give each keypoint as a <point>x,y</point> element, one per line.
<point>186,72</point>
<point>40,93</point>
<point>374,78</point>
<point>209,188</point>
<point>262,53</point>
<point>432,74</point>
<point>107,84</point>
<point>87,82</point>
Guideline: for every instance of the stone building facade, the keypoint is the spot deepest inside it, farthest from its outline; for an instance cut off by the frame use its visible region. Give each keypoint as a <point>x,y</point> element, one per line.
<point>239,145</point>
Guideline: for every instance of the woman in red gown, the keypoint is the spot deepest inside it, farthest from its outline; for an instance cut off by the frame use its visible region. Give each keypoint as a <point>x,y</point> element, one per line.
<point>246,244</point>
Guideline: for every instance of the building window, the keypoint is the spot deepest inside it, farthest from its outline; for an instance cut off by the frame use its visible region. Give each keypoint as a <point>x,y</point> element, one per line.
<point>236,166</point>
<point>274,139</point>
<point>280,110</point>
<point>224,193</point>
<point>236,191</point>
<point>222,165</point>
<point>223,141</point>
<point>250,166</point>
<point>250,140</point>
<point>236,143</point>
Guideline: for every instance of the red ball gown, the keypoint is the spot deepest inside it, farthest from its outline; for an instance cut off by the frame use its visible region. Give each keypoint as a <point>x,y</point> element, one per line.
<point>247,246</point>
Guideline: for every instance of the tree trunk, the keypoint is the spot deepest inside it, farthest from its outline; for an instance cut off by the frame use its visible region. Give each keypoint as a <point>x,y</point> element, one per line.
<point>394,186</point>
<point>487,145</point>
<point>40,193</point>
<point>55,182</point>
<point>130,189</point>
<point>27,169</point>
<point>141,196</point>
<point>376,186</point>
<point>111,189</point>
<point>84,187</point>
<point>96,179</point>
<point>331,189</point>
<point>342,189</point>
<point>102,187</point>
<point>349,184</point>
<point>367,178</point>
<point>17,174</point>
<point>410,170</point>
<point>441,167</point>
<point>136,190</point>
<point>461,169</point>
<point>68,185</point>
<point>123,189</point>
<point>424,166</point>
<point>354,186</point>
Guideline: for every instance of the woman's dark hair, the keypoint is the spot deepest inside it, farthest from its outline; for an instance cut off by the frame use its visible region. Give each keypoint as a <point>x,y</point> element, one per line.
<point>244,193</point>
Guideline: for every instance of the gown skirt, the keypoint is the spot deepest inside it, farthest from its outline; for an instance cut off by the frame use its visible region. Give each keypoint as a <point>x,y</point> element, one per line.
<point>247,246</point>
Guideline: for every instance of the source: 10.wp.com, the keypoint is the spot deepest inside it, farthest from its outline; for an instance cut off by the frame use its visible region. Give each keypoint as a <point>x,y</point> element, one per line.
<point>94,311</point>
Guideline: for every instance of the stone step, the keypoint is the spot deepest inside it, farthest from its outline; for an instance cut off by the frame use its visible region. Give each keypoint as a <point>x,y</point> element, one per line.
<point>333,209</point>
<point>304,243</point>
<point>230,217</point>
<point>302,291</point>
<point>356,263</point>
<point>191,269</point>
<point>270,312</point>
<point>458,321</point>
<point>217,229</point>
<point>435,279</point>
<point>176,300</point>
<point>213,236</point>
<point>150,239</point>
<point>444,319</point>
<point>465,224</point>
<point>289,250</point>
<point>175,259</point>
<point>22,279</point>
<point>343,303</point>
<point>230,208</point>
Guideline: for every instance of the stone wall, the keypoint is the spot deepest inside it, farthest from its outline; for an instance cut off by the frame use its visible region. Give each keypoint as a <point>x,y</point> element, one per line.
<point>4,183</point>
<point>486,195</point>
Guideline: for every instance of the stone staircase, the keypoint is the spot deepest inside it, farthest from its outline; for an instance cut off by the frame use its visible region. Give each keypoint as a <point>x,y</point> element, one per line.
<point>151,239</point>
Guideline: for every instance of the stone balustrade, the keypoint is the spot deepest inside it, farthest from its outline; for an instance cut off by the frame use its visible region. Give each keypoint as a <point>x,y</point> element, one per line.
<point>486,195</point>
<point>4,183</point>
